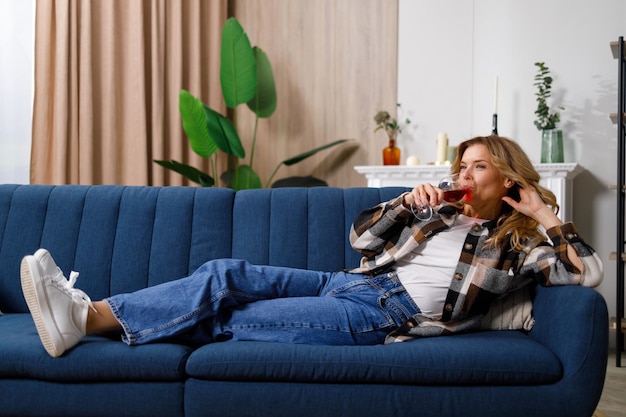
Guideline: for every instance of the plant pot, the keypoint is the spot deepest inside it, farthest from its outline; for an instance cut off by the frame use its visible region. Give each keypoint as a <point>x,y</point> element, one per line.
<point>391,154</point>
<point>551,146</point>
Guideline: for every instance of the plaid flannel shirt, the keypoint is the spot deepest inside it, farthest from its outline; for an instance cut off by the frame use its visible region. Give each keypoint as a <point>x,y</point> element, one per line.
<point>389,231</point>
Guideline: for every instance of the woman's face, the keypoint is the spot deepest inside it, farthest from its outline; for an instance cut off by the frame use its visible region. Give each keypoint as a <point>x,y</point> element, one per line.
<point>487,183</point>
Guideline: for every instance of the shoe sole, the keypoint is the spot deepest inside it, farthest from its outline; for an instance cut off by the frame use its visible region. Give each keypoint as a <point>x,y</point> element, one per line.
<point>38,308</point>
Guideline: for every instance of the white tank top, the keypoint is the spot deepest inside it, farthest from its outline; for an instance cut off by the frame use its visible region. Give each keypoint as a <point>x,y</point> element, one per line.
<point>427,271</point>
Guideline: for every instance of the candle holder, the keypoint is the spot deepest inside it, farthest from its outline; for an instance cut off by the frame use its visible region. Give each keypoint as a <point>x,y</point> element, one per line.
<point>494,118</point>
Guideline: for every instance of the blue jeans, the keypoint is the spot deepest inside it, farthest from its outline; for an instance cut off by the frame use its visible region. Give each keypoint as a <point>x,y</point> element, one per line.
<point>228,299</point>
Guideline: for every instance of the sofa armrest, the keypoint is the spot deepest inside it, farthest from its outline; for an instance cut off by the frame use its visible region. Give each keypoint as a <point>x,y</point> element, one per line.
<point>572,321</point>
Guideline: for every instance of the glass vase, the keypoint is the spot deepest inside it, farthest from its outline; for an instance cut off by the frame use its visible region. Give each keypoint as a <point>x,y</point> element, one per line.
<point>551,146</point>
<point>391,154</point>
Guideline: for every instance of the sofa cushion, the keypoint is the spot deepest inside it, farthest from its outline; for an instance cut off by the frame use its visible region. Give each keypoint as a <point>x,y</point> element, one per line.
<point>120,238</point>
<point>97,358</point>
<point>513,311</point>
<point>33,397</point>
<point>294,227</point>
<point>484,358</point>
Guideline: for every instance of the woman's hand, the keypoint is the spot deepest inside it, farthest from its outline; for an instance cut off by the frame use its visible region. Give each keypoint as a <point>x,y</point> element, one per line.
<point>533,206</point>
<point>425,194</point>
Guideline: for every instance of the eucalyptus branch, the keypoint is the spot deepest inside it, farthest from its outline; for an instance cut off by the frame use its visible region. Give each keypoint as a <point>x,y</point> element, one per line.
<point>543,81</point>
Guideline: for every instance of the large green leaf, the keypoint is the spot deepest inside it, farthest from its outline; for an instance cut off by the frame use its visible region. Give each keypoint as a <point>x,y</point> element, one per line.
<point>223,133</point>
<point>263,104</point>
<point>305,155</point>
<point>237,66</point>
<point>188,171</point>
<point>195,124</point>
<point>242,178</point>
<point>234,142</point>
<point>308,181</point>
<point>246,178</point>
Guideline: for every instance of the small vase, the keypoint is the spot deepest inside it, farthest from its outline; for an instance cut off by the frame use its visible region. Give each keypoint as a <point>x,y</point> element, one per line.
<point>391,154</point>
<point>551,146</point>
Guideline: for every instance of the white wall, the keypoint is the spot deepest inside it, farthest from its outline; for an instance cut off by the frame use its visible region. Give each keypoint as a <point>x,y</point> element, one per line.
<point>17,22</point>
<point>451,51</point>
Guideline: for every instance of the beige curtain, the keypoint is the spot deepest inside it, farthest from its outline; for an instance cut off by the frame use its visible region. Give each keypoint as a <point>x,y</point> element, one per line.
<point>107,78</point>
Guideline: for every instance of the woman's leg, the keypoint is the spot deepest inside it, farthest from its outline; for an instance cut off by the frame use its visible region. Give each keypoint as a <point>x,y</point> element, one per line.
<point>101,319</point>
<point>351,310</point>
<point>175,307</point>
<point>215,296</point>
<point>61,312</point>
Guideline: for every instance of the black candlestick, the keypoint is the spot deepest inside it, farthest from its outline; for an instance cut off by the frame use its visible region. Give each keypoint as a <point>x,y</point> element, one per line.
<point>494,124</point>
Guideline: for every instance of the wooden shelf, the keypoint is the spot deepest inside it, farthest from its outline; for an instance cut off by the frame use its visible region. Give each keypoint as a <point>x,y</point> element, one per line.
<point>613,117</point>
<point>614,187</point>
<point>615,49</point>
<point>613,324</point>
<point>613,256</point>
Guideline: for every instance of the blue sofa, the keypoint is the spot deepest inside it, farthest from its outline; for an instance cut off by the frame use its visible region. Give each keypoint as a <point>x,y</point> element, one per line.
<point>121,239</point>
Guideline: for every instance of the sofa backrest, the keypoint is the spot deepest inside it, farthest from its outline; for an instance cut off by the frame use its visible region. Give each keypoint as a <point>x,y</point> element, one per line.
<point>123,238</point>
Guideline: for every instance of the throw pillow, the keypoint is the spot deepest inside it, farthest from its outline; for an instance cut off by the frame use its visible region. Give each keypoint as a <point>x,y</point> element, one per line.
<point>513,311</point>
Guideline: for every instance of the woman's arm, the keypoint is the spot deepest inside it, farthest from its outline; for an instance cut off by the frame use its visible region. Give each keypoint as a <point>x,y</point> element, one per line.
<point>574,258</point>
<point>374,227</point>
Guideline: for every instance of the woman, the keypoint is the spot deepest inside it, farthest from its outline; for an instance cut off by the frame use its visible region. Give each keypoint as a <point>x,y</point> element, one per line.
<point>417,278</point>
<point>498,236</point>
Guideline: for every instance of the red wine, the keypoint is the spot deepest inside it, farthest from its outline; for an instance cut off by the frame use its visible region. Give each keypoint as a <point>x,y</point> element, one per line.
<point>453,196</point>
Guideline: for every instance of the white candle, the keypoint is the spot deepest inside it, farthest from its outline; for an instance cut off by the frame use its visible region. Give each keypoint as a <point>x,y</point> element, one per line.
<point>413,160</point>
<point>495,98</point>
<point>442,148</point>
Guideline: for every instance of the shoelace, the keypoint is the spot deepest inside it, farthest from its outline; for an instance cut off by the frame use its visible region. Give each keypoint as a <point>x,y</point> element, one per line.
<point>67,286</point>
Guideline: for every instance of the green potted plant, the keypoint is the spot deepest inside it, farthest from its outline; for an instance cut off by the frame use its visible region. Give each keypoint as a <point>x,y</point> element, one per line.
<point>546,121</point>
<point>246,77</point>
<point>391,154</point>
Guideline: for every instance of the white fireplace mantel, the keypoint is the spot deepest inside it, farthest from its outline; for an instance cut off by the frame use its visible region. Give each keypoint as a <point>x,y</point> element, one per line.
<point>556,177</point>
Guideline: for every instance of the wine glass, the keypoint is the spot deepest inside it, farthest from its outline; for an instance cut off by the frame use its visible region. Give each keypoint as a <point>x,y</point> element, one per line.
<point>453,192</point>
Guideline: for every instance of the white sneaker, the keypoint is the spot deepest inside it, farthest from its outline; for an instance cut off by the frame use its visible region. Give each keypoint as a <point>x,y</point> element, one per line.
<point>58,309</point>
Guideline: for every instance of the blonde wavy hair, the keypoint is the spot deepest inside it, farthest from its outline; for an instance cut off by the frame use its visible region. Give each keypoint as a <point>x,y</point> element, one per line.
<point>513,163</point>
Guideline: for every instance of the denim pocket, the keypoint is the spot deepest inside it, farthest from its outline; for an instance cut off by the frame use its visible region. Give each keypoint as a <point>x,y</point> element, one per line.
<point>350,288</point>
